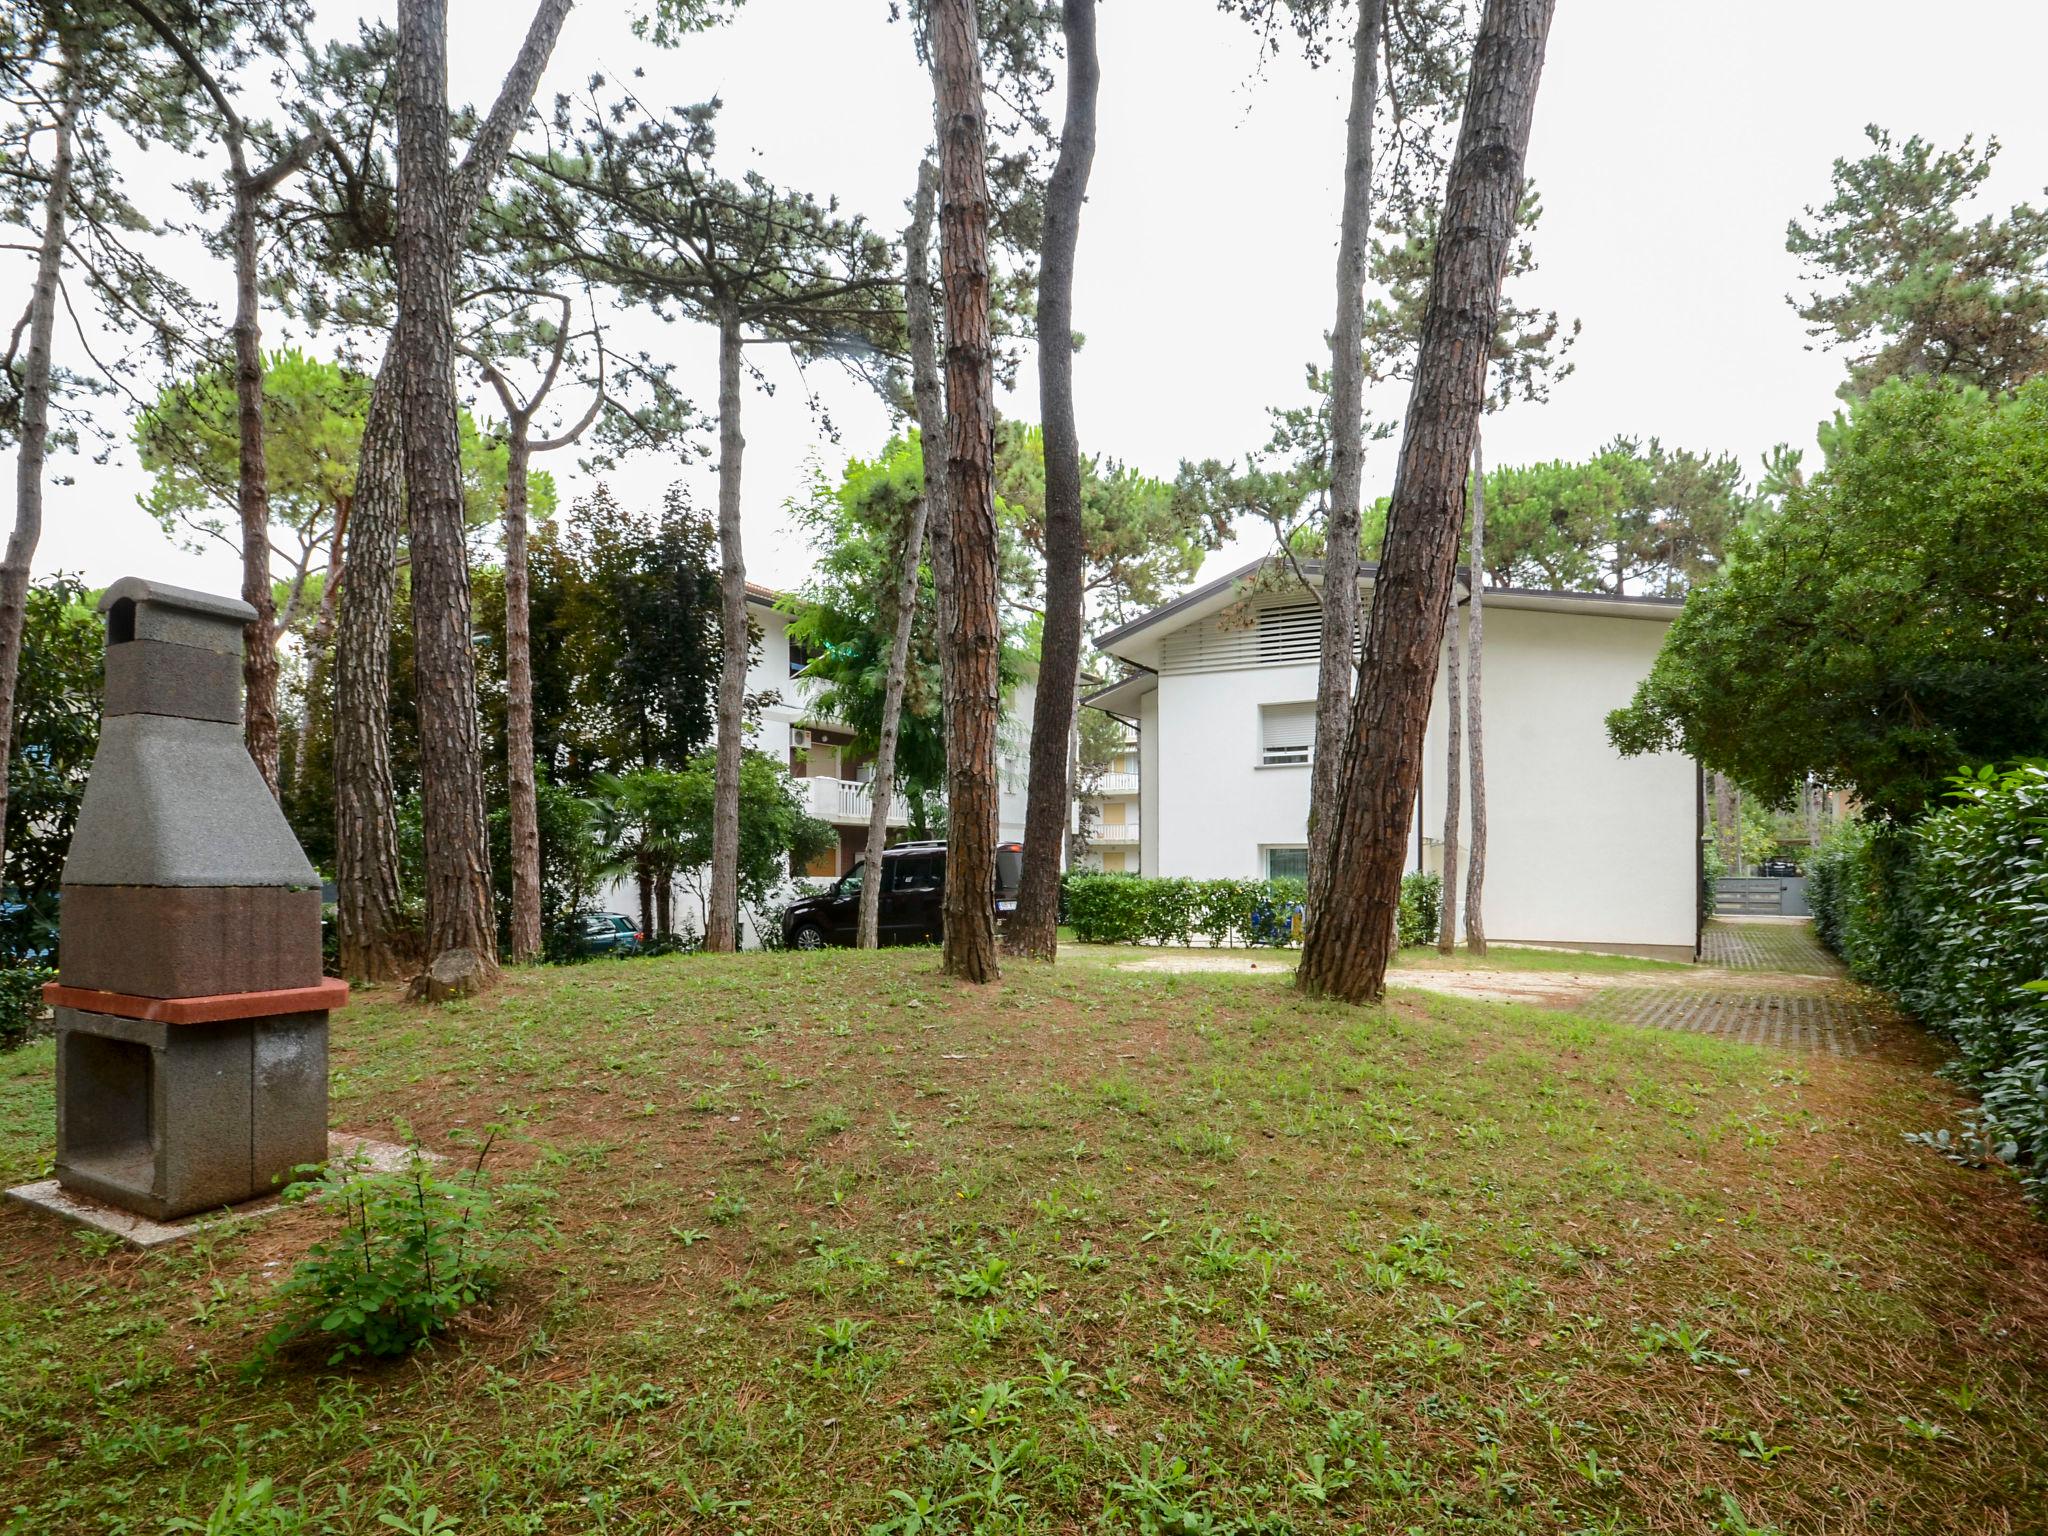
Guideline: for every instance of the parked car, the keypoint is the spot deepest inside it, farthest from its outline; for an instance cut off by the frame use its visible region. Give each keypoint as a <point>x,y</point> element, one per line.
<point>1779,869</point>
<point>605,933</point>
<point>913,899</point>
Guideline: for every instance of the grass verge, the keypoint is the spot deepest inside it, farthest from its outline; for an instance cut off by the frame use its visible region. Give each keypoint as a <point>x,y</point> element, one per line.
<point>834,1245</point>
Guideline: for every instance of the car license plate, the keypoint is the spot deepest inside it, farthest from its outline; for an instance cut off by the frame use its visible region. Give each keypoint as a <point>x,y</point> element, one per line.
<point>1006,906</point>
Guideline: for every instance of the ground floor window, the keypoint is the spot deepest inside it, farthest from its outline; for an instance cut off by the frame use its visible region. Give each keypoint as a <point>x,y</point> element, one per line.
<point>1287,863</point>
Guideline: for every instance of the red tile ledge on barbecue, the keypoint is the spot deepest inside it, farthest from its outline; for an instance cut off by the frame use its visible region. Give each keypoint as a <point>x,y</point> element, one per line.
<point>331,993</point>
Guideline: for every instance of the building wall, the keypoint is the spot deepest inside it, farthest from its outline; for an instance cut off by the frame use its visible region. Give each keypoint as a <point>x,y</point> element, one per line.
<point>1584,847</point>
<point>1148,780</point>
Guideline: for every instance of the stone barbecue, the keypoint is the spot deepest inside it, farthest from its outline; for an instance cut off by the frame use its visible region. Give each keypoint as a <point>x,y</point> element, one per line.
<point>191,1014</point>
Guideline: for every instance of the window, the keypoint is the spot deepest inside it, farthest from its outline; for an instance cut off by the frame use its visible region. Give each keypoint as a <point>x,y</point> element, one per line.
<point>1290,634</point>
<point>1286,863</point>
<point>913,872</point>
<point>1287,733</point>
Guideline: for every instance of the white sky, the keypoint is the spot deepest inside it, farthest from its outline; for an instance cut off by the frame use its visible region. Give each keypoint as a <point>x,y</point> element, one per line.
<point>1672,143</point>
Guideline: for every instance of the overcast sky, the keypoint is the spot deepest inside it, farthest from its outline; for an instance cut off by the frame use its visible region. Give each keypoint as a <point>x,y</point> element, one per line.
<point>1672,143</point>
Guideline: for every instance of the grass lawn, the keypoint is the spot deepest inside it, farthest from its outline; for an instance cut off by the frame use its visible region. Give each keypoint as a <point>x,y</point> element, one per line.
<point>837,1242</point>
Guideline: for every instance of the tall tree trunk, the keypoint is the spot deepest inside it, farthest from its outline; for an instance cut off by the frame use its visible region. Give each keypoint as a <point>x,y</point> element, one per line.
<point>320,643</point>
<point>458,853</point>
<point>523,934</point>
<point>259,644</point>
<point>375,945</point>
<point>974,702</point>
<point>1348,948</point>
<point>32,449</point>
<point>721,922</point>
<point>1454,748</point>
<point>1475,733</point>
<point>1049,798</point>
<point>928,392</point>
<point>917,310</point>
<point>1347,462</point>
<point>882,792</point>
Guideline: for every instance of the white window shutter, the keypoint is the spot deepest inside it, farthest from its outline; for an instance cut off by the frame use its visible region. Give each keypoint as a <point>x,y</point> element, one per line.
<point>1287,732</point>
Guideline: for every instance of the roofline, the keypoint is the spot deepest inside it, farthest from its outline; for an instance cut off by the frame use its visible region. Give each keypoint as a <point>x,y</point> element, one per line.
<point>1367,570</point>
<point>1094,694</point>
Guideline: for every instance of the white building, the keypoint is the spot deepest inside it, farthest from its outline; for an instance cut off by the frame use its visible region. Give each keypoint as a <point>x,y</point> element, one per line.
<point>836,781</point>
<point>819,750</point>
<point>1109,810</point>
<point>1584,847</point>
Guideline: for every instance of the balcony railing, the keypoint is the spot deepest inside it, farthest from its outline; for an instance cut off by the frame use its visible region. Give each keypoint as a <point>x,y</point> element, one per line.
<point>848,800</point>
<point>1125,832</point>
<point>1117,784</point>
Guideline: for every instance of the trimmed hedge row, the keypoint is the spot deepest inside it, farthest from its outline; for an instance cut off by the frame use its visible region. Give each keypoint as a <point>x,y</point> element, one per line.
<point>1134,909</point>
<point>1950,916</point>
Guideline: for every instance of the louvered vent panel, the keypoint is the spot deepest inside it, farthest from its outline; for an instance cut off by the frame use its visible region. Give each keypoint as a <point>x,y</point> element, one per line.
<point>1279,634</point>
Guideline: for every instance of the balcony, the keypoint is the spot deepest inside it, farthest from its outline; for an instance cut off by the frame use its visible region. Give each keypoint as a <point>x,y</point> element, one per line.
<point>1117,784</point>
<point>844,801</point>
<point>1122,834</point>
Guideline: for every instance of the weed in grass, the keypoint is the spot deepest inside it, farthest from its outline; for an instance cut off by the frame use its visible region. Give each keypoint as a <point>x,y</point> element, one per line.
<point>728,1209</point>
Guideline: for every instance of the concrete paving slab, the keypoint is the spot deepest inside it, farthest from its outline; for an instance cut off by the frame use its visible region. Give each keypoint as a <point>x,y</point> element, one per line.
<point>141,1232</point>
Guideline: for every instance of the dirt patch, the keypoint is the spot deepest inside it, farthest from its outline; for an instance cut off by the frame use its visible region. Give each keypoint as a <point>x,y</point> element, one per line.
<point>1548,988</point>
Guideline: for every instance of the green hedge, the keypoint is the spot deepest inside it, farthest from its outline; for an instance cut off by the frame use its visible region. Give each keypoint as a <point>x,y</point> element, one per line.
<point>21,1001</point>
<point>1950,916</point>
<point>1131,909</point>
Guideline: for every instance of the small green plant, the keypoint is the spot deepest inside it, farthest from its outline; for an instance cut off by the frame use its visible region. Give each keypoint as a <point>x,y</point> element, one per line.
<point>245,1509</point>
<point>981,1281</point>
<point>728,1209</point>
<point>414,1250</point>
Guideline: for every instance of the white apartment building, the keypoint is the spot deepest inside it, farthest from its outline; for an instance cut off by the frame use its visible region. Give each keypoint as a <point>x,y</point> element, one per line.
<point>1585,848</point>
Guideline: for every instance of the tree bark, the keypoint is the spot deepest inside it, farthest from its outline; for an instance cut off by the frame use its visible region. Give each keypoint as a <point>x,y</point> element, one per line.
<point>883,790</point>
<point>374,945</point>
<point>522,939</point>
<point>1454,747</point>
<point>974,702</point>
<point>259,643</point>
<point>1034,927</point>
<point>1347,460</point>
<point>1475,734</point>
<point>458,855</point>
<point>1347,950</point>
<point>368,911</point>
<point>320,643</point>
<point>928,393</point>
<point>917,310</point>
<point>32,447</point>
<point>721,921</point>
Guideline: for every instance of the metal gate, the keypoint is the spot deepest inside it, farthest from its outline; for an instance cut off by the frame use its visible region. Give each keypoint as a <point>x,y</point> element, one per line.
<point>1761,896</point>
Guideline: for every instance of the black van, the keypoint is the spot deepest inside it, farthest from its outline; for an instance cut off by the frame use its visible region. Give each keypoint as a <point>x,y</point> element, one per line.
<point>913,906</point>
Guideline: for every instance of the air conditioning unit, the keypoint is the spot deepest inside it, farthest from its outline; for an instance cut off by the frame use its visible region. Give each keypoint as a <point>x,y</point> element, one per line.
<point>800,738</point>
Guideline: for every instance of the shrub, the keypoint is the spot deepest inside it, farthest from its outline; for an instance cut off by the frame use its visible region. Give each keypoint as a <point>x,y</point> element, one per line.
<point>1950,916</point>
<point>21,1002</point>
<point>415,1248</point>
<point>1133,909</point>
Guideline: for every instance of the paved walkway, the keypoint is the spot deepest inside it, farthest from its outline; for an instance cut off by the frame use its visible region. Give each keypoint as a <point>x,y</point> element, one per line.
<point>1797,1016</point>
<point>1768,944</point>
<point>1821,1022</point>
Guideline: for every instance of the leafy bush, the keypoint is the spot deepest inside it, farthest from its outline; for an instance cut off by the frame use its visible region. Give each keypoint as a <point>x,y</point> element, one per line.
<point>1950,915</point>
<point>1134,909</point>
<point>1422,903</point>
<point>768,915</point>
<point>415,1248</point>
<point>21,1002</point>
